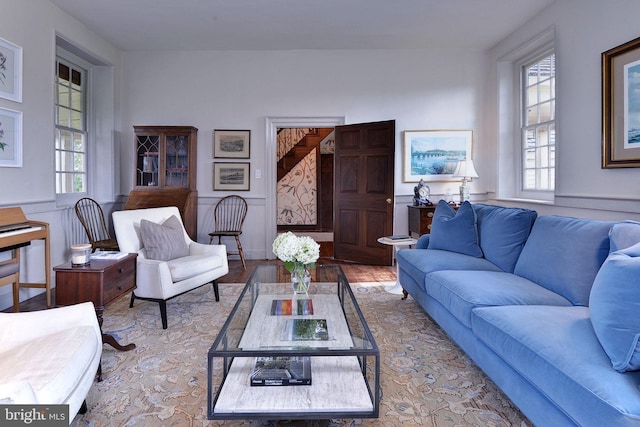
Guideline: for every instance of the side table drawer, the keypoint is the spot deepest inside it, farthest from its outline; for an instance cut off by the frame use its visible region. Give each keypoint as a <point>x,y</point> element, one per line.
<point>119,280</point>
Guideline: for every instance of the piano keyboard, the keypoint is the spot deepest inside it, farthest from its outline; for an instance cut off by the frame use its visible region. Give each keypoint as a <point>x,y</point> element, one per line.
<point>20,231</point>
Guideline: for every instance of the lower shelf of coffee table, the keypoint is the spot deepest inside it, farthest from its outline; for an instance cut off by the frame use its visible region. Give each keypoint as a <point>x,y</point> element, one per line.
<point>338,386</point>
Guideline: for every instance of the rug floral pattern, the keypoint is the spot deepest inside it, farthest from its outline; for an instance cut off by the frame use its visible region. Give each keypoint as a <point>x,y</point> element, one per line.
<point>426,379</point>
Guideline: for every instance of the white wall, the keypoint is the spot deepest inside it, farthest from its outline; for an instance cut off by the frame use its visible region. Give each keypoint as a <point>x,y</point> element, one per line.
<point>33,25</point>
<point>584,29</point>
<point>434,89</point>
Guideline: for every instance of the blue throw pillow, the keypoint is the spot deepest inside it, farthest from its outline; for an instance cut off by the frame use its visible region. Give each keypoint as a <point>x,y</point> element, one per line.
<point>455,232</point>
<point>502,233</point>
<point>614,305</point>
<point>624,234</point>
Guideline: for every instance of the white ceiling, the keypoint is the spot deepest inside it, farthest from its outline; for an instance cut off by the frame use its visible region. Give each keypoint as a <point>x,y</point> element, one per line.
<point>302,24</point>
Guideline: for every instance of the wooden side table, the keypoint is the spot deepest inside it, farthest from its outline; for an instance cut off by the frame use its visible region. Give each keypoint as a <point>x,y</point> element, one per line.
<point>101,282</point>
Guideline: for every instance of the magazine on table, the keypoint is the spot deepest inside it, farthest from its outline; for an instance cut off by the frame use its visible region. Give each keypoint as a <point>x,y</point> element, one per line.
<point>108,255</point>
<point>291,307</point>
<point>306,330</point>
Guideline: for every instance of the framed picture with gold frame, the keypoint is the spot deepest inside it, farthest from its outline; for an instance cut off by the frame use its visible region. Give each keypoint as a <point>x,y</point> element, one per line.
<point>621,106</point>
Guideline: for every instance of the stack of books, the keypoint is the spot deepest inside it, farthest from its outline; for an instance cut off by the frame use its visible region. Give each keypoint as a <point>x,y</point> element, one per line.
<point>270,371</point>
<point>396,238</point>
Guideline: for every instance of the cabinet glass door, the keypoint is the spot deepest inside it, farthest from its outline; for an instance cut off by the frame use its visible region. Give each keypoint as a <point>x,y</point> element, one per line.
<point>177,161</point>
<point>147,160</point>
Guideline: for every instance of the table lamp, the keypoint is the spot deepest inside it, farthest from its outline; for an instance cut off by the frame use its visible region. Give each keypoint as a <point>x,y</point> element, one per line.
<point>466,171</point>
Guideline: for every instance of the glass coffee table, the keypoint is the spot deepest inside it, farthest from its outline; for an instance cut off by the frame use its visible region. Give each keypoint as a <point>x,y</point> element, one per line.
<point>344,357</point>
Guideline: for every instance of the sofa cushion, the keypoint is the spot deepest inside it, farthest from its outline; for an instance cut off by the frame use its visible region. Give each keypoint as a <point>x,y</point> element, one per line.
<point>502,233</point>
<point>164,241</point>
<point>563,254</point>
<point>624,234</point>
<point>50,363</point>
<point>615,304</point>
<point>191,266</point>
<point>556,350</point>
<point>417,263</point>
<point>455,232</point>
<point>462,291</point>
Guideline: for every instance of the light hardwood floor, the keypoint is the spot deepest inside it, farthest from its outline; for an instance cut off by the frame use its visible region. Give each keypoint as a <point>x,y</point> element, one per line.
<point>354,272</point>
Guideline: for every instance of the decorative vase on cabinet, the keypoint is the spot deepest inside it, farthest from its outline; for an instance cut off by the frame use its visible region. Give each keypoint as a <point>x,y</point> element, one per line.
<point>165,171</point>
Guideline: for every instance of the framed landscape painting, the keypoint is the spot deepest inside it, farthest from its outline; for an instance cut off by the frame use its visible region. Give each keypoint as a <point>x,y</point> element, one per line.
<point>231,176</point>
<point>231,144</point>
<point>621,106</point>
<point>432,155</point>
<point>10,71</point>
<point>10,138</point>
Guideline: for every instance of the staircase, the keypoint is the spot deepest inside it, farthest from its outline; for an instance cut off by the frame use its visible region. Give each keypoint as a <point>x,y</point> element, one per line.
<point>299,151</point>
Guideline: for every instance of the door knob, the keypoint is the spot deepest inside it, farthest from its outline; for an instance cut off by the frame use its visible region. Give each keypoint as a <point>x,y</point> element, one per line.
<point>389,201</point>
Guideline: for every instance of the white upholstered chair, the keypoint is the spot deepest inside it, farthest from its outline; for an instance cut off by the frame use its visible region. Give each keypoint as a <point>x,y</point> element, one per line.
<point>49,356</point>
<point>169,263</point>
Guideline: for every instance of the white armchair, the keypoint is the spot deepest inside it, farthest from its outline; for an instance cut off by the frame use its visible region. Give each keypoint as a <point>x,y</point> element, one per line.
<point>49,356</point>
<point>162,279</point>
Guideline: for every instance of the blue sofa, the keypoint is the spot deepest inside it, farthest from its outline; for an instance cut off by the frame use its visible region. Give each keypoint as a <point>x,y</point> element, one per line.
<point>513,290</point>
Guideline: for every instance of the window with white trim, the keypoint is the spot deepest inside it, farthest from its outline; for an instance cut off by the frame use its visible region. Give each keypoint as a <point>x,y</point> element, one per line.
<point>538,124</point>
<point>71,128</point>
<point>527,125</point>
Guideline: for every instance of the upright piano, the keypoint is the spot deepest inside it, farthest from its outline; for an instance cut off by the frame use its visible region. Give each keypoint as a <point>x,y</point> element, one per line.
<point>17,231</point>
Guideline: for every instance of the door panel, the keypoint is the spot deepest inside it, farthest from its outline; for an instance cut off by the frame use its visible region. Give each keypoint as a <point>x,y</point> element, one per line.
<point>363,208</point>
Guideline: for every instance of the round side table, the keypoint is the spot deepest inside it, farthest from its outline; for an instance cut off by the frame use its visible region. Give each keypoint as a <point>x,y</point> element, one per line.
<point>397,245</point>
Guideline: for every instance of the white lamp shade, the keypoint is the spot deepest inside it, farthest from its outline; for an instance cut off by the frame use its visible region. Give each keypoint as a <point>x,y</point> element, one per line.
<point>465,169</point>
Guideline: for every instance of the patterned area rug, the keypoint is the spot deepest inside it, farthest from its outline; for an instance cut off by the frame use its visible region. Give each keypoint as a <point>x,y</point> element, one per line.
<point>426,379</point>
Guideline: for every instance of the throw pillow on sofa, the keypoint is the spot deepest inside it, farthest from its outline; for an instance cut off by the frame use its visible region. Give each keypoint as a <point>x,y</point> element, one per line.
<point>165,241</point>
<point>624,234</point>
<point>614,305</point>
<point>455,232</point>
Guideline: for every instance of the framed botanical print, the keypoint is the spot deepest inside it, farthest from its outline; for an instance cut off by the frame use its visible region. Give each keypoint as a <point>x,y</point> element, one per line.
<point>10,138</point>
<point>10,71</point>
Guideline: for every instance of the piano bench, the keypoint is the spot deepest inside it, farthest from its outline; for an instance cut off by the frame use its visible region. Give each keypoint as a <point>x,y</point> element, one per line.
<point>10,274</point>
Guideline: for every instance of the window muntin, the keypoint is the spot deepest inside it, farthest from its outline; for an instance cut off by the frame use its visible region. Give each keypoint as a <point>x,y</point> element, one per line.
<point>71,129</point>
<point>538,124</point>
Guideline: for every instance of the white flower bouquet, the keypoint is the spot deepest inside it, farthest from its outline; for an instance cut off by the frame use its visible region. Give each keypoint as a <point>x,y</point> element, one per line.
<point>298,253</point>
<point>296,250</point>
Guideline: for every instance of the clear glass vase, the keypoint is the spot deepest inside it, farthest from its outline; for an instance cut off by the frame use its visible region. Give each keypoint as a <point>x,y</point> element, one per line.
<point>300,279</point>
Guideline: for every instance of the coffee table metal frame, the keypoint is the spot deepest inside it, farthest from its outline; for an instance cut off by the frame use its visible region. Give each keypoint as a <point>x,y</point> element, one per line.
<point>328,281</point>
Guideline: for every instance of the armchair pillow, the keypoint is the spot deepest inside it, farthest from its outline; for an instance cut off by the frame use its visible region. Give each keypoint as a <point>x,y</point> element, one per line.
<point>164,241</point>
<point>614,304</point>
<point>455,232</point>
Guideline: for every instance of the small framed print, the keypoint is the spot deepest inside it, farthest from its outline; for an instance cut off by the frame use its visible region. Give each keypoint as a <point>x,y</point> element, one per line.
<point>10,71</point>
<point>231,176</point>
<point>231,144</point>
<point>10,138</point>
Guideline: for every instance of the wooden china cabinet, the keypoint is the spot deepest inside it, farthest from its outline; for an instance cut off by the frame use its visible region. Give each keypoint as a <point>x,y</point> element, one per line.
<point>165,171</point>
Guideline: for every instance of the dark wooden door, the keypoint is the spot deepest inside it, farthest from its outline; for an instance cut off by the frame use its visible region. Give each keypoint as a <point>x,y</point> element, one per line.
<point>363,192</point>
